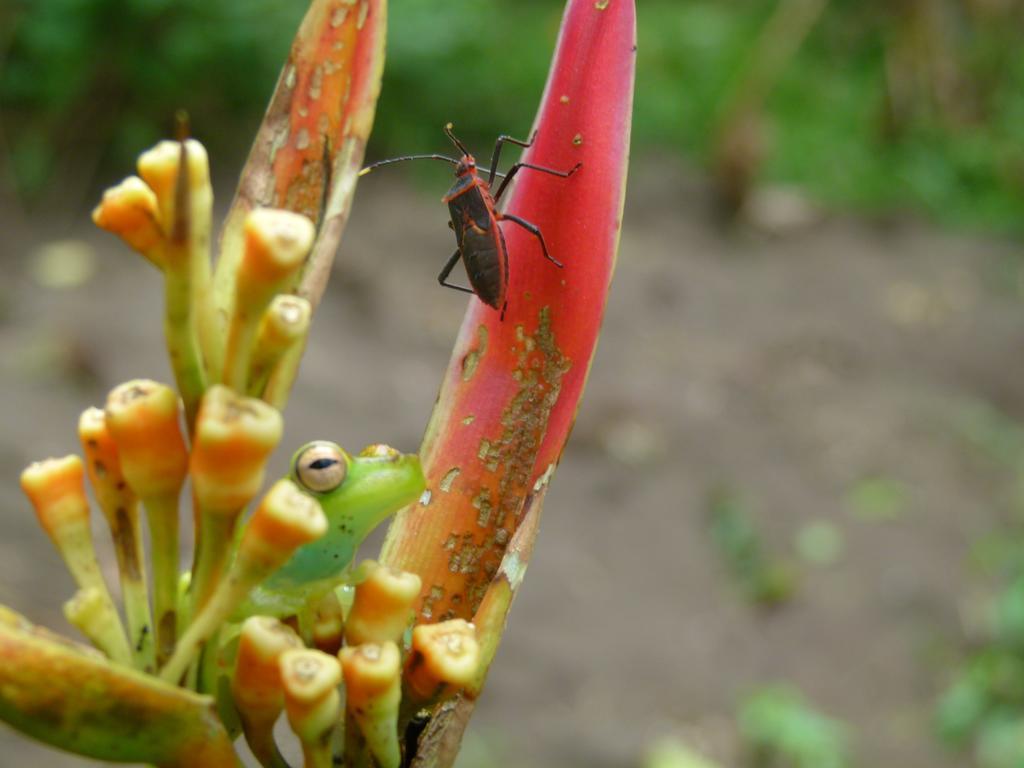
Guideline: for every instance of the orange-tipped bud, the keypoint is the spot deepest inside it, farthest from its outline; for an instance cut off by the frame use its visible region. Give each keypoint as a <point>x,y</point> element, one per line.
<point>233,439</point>
<point>310,680</point>
<point>276,244</point>
<point>444,658</point>
<point>373,692</point>
<point>121,509</point>
<point>285,520</point>
<point>143,418</point>
<point>256,685</point>
<point>103,465</point>
<point>129,211</point>
<point>328,624</point>
<point>56,488</point>
<point>383,605</point>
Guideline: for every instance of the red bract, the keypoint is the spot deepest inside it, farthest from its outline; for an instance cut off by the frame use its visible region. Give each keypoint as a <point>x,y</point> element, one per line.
<point>512,389</point>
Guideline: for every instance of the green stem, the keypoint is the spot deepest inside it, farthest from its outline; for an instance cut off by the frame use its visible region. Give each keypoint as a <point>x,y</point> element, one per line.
<point>182,342</point>
<point>214,545</point>
<point>230,591</point>
<point>279,385</point>
<point>131,559</point>
<point>162,513</point>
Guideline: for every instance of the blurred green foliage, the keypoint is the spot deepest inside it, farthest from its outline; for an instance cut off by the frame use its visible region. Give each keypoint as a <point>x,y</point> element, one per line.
<point>104,76</point>
<point>983,708</point>
<point>765,579</point>
<point>780,729</point>
<point>981,711</point>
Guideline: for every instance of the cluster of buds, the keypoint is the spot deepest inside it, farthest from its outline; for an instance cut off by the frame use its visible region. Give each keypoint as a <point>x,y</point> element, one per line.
<point>389,675</point>
<point>237,325</point>
<point>347,670</point>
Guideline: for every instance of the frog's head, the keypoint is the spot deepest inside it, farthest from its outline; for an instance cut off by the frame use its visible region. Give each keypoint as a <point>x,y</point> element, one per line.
<point>357,493</point>
<point>373,484</point>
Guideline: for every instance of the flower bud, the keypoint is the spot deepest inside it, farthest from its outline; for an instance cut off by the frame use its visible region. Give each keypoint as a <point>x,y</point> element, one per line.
<point>56,488</point>
<point>444,658</point>
<point>310,680</point>
<point>373,692</point>
<point>276,244</point>
<point>285,520</point>
<point>234,437</point>
<point>383,604</point>
<point>129,211</point>
<point>256,685</point>
<point>142,416</point>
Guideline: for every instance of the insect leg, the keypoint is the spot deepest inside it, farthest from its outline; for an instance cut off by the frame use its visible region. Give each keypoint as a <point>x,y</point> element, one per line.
<point>442,278</point>
<point>535,231</point>
<point>515,169</point>
<point>497,152</point>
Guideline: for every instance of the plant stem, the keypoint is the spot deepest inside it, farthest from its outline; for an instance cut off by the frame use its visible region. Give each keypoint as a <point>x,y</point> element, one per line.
<point>162,513</point>
<point>182,344</point>
<point>214,544</point>
<point>134,589</point>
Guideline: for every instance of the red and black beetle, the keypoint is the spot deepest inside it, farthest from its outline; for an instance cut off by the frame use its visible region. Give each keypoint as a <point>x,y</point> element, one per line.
<point>475,219</point>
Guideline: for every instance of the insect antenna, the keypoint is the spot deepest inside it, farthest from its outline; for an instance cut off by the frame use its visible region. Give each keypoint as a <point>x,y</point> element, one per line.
<point>402,159</point>
<point>449,132</point>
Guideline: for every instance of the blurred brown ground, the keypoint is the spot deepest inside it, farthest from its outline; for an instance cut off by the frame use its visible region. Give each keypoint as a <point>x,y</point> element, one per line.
<point>788,368</point>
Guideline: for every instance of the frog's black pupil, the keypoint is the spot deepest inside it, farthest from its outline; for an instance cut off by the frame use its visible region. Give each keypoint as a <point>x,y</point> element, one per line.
<point>323,463</point>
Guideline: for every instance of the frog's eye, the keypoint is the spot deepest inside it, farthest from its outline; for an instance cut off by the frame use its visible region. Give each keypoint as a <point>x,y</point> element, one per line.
<point>321,467</point>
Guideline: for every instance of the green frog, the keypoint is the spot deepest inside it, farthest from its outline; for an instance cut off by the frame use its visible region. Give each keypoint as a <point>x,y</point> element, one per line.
<point>356,493</point>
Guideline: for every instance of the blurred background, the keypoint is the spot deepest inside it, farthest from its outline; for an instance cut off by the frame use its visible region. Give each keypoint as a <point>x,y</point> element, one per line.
<point>789,528</point>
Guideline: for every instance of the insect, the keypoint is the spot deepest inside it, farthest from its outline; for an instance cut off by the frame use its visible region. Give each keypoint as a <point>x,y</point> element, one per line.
<point>475,218</point>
